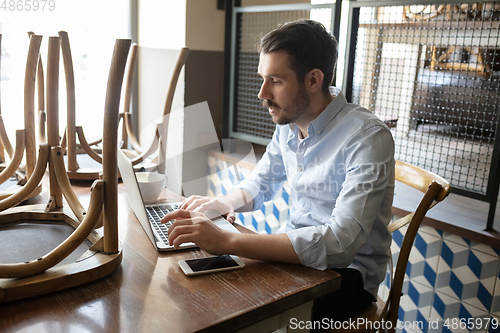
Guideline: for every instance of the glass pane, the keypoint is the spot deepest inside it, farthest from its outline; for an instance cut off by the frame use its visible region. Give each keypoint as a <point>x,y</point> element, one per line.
<point>431,73</point>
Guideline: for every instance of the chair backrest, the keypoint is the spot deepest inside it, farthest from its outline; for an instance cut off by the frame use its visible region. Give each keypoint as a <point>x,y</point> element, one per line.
<point>181,61</point>
<point>29,103</point>
<point>5,145</point>
<point>435,189</point>
<point>40,84</point>
<point>70,133</point>
<point>128,133</point>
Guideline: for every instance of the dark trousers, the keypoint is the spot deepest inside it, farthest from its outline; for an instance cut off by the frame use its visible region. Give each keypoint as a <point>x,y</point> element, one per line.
<point>350,300</point>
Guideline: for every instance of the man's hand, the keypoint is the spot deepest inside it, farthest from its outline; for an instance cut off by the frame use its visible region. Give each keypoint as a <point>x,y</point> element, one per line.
<point>195,227</point>
<point>201,204</point>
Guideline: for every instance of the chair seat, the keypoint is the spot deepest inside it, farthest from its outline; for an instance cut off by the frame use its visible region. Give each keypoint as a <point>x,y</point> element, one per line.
<point>372,314</point>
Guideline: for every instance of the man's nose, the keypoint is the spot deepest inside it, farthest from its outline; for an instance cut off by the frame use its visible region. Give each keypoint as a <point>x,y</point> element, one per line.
<point>264,92</point>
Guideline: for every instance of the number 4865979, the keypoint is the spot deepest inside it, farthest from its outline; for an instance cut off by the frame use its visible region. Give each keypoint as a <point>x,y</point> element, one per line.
<point>27,5</point>
<point>470,323</point>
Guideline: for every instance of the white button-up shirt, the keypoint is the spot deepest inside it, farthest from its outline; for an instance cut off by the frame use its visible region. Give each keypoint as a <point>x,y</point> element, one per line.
<point>342,186</point>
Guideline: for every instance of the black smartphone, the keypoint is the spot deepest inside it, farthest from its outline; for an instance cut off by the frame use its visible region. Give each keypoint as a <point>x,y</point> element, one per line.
<point>210,264</point>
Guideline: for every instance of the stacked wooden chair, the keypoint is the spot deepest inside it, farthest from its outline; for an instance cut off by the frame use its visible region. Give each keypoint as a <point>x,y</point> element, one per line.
<point>25,138</point>
<point>75,171</point>
<point>147,156</point>
<point>42,116</point>
<point>5,145</point>
<point>158,140</point>
<point>138,154</point>
<point>39,276</point>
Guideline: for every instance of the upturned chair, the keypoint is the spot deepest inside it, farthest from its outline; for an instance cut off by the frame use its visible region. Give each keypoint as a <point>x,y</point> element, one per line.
<point>40,83</point>
<point>435,189</point>
<point>68,143</point>
<point>5,145</point>
<point>140,153</point>
<point>39,276</point>
<point>25,138</point>
<point>127,116</point>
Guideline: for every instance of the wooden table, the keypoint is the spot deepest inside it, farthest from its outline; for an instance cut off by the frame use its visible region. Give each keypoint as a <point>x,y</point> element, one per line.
<point>149,293</point>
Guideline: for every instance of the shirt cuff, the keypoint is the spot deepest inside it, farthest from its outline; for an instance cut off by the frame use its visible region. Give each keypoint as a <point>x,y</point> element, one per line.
<point>309,246</point>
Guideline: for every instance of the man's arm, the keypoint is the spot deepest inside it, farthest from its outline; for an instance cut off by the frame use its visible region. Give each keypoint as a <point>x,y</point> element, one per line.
<point>197,228</point>
<point>192,225</point>
<point>266,178</point>
<point>364,201</point>
<point>276,247</point>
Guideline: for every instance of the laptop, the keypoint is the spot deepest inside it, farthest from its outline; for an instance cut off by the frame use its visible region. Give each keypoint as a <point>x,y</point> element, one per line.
<point>150,215</point>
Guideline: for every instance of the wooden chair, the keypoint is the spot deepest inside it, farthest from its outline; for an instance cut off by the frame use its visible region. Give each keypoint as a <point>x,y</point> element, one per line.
<point>127,116</point>
<point>141,153</point>
<point>25,139</point>
<point>39,276</point>
<point>42,116</point>
<point>5,145</point>
<point>69,143</point>
<point>435,189</point>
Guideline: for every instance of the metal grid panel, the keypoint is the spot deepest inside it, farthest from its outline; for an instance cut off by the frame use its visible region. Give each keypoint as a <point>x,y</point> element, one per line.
<point>431,72</point>
<point>250,117</point>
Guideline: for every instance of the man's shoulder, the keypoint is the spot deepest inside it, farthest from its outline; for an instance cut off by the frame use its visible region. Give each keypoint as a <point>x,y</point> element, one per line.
<point>361,117</point>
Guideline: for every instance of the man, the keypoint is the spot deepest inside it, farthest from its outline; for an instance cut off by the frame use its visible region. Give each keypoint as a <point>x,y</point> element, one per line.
<point>339,161</point>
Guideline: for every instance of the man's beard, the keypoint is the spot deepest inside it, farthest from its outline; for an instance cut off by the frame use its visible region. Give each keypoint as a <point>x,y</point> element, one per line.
<point>297,108</point>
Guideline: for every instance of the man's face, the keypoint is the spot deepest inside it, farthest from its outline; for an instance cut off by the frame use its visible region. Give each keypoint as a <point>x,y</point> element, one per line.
<point>285,97</point>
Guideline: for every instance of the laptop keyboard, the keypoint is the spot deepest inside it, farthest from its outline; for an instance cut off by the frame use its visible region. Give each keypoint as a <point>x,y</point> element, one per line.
<point>155,214</point>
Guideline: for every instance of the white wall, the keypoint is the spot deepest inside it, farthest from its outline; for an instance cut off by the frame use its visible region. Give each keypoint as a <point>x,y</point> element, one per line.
<point>204,25</point>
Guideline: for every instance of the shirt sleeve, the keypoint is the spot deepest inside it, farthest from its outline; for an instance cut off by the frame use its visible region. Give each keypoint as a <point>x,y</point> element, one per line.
<point>369,160</point>
<point>268,175</point>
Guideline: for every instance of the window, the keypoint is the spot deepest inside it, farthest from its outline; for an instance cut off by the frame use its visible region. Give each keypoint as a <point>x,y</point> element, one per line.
<point>249,120</point>
<point>92,27</point>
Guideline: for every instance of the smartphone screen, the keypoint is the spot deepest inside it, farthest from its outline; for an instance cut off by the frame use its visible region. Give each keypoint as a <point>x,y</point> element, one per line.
<point>203,264</point>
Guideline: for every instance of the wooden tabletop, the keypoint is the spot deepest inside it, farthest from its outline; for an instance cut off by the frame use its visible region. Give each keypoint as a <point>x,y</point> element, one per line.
<point>149,292</point>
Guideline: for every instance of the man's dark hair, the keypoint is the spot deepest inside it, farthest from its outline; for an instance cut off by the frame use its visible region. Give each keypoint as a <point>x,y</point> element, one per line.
<point>309,46</point>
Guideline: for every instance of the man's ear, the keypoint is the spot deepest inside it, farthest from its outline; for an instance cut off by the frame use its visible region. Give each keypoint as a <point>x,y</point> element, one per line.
<point>314,80</point>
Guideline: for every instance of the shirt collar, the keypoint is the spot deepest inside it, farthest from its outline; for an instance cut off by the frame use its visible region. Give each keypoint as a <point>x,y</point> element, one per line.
<point>325,117</point>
